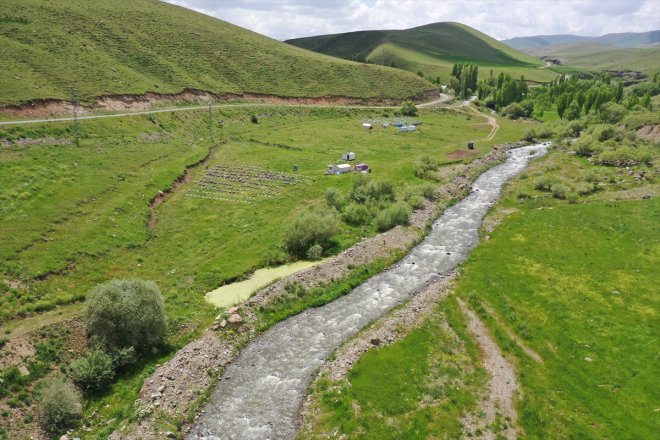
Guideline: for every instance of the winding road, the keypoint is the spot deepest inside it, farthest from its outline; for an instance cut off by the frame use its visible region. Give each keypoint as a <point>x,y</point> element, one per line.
<point>443,99</point>
<point>261,392</point>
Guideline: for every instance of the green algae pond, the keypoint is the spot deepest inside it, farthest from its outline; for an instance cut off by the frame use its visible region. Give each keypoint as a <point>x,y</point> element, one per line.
<point>235,293</point>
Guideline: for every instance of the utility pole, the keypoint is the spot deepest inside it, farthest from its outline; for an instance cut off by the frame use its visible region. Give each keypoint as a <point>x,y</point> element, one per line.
<point>74,102</point>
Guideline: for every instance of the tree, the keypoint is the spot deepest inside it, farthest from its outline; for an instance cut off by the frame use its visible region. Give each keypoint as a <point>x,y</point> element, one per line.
<point>408,109</point>
<point>612,112</point>
<point>646,101</point>
<point>618,96</point>
<point>562,104</point>
<point>573,111</point>
<point>126,313</point>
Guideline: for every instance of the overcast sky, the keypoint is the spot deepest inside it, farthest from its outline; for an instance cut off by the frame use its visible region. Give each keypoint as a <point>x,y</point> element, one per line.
<point>282,19</point>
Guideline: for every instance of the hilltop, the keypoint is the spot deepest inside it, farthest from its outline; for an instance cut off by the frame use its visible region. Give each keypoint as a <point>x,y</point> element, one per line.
<point>430,49</point>
<point>620,40</point>
<point>138,46</point>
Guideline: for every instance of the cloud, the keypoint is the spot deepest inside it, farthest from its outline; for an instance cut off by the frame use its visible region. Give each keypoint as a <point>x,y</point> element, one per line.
<point>283,19</point>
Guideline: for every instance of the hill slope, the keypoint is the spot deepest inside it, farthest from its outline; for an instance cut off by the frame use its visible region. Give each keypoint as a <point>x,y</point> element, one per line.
<point>431,49</point>
<point>592,56</point>
<point>622,40</point>
<point>135,46</point>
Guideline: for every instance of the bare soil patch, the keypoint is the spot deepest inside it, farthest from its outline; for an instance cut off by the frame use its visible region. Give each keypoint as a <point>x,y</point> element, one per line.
<point>461,154</point>
<point>649,132</point>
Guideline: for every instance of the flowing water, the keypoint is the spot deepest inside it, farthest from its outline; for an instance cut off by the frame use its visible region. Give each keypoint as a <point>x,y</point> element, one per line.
<point>260,394</point>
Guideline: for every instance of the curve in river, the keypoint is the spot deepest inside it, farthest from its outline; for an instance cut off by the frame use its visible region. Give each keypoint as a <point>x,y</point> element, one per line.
<point>261,392</point>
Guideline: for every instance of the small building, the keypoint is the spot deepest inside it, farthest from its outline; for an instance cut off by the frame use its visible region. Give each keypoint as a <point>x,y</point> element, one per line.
<point>367,125</point>
<point>348,156</point>
<point>338,169</point>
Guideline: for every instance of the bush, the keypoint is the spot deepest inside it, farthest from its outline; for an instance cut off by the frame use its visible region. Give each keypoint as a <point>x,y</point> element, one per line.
<point>315,252</point>
<point>254,119</point>
<point>397,214</point>
<point>425,167</point>
<point>585,146</point>
<point>365,189</point>
<point>60,405</point>
<point>356,214</point>
<point>334,198</point>
<point>559,191</point>
<point>544,183</point>
<point>515,110</point>
<point>93,371</point>
<point>126,313</point>
<point>408,109</point>
<point>612,112</point>
<point>604,132</point>
<point>429,191</point>
<point>624,156</point>
<point>310,228</point>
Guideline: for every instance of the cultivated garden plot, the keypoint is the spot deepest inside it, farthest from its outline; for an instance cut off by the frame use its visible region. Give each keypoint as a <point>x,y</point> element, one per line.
<point>242,184</point>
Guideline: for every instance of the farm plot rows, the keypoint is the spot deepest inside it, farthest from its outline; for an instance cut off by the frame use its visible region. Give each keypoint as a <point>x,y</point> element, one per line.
<point>242,184</point>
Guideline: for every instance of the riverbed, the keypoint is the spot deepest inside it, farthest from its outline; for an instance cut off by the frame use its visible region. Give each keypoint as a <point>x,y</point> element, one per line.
<point>261,392</point>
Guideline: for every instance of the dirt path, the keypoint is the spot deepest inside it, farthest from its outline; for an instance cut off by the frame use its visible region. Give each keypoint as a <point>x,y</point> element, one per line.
<point>498,406</point>
<point>443,99</point>
<point>262,390</point>
<point>292,103</point>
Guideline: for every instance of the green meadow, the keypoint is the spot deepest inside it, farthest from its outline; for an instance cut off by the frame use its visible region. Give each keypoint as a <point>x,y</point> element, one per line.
<point>574,279</point>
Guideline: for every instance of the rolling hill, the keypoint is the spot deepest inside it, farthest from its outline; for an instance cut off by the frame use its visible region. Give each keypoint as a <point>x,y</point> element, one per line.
<point>621,40</point>
<point>431,49</point>
<point>136,46</point>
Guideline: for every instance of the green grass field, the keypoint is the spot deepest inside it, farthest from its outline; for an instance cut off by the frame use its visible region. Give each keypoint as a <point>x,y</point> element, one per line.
<point>88,204</point>
<point>88,207</point>
<point>576,281</point>
<point>132,47</point>
<point>431,49</point>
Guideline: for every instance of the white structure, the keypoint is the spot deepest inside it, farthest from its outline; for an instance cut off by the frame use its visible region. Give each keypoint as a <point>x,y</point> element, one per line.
<point>343,168</point>
<point>406,128</point>
<point>348,156</point>
<point>366,125</point>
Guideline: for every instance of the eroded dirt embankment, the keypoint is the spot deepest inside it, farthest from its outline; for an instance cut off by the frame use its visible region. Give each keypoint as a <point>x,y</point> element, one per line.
<point>46,108</point>
<point>173,390</point>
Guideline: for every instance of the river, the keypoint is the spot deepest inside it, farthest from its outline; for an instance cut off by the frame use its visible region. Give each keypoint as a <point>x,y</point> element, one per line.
<point>260,394</point>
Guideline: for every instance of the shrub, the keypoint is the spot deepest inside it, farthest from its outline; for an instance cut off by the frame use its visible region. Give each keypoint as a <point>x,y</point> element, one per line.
<point>544,183</point>
<point>585,146</point>
<point>365,189</point>
<point>396,214</point>
<point>623,156</point>
<point>315,252</point>
<point>559,191</point>
<point>334,198</point>
<point>415,201</point>
<point>429,191</point>
<point>60,405</point>
<point>425,166</point>
<point>408,109</point>
<point>356,214</point>
<point>515,110</point>
<point>529,135</point>
<point>254,119</point>
<point>310,228</point>
<point>612,112</point>
<point>126,313</point>
<point>604,132</point>
<point>93,371</point>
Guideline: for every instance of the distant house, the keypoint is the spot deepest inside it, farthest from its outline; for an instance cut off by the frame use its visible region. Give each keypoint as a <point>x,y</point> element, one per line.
<point>348,156</point>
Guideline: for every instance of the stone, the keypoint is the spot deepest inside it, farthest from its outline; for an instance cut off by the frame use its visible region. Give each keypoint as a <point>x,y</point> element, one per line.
<point>235,319</point>
<point>161,389</point>
<point>375,342</point>
<point>170,434</point>
<point>232,310</point>
<point>64,437</point>
<point>223,323</point>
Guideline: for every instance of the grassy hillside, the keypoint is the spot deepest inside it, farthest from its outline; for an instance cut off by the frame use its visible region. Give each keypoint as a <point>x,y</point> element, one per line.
<point>431,49</point>
<point>130,47</point>
<point>593,56</point>
<point>621,40</point>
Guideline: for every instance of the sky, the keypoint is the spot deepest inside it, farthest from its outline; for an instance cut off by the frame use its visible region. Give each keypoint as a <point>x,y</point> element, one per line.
<point>501,19</point>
